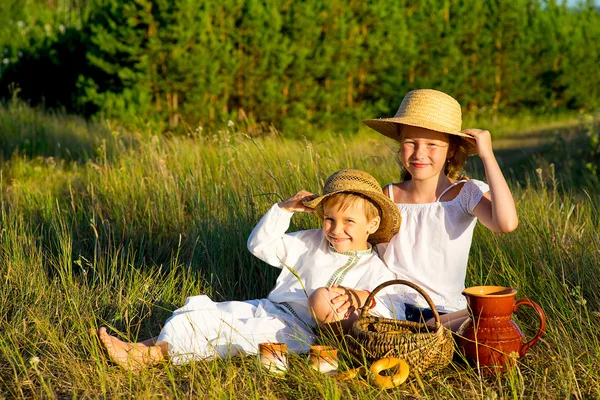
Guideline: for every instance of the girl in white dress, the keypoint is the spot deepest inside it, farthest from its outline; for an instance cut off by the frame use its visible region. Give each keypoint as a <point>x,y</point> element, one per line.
<point>439,207</point>
<point>339,257</point>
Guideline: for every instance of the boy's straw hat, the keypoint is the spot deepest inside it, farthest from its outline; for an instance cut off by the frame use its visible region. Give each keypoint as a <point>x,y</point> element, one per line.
<point>424,108</point>
<point>360,182</point>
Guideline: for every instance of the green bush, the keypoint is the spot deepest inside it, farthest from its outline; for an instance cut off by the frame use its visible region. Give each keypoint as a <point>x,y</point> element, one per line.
<point>182,64</point>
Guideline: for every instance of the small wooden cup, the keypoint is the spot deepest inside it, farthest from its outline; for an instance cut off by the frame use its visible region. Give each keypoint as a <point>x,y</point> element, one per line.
<point>273,356</point>
<point>323,359</point>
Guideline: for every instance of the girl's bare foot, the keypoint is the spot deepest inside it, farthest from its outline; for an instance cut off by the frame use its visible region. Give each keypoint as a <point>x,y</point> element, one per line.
<point>130,356</point>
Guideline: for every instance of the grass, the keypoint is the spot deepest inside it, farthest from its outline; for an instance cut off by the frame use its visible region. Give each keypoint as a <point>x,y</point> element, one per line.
<point>117,229</point>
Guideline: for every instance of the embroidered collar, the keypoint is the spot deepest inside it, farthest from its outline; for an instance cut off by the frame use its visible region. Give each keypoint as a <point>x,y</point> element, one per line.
<point>353,253</point>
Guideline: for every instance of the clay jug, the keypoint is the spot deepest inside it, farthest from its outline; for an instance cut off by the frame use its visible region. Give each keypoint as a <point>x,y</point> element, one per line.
<point>490,337</point>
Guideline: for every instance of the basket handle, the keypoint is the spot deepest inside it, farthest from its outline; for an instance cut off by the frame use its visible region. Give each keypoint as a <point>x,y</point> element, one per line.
<point>365,309</point>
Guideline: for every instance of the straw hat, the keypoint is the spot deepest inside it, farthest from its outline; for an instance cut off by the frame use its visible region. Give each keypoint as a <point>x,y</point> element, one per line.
<point>424,108</point>
<point>360,182</point>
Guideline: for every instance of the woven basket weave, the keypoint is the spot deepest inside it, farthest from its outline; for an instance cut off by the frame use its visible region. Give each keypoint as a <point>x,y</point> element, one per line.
<point>425,349</point>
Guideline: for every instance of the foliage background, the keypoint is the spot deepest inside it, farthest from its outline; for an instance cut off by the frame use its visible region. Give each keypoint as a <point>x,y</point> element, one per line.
<point>185,63</point>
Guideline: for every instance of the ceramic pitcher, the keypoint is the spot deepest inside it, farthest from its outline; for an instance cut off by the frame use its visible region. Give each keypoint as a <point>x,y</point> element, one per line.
<point>489,337</point>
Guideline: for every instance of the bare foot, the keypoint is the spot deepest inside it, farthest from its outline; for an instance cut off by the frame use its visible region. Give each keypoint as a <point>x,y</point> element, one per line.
<point>130,356</point>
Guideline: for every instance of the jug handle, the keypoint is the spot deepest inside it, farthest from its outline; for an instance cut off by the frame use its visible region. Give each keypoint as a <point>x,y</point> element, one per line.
<point>542,329</point>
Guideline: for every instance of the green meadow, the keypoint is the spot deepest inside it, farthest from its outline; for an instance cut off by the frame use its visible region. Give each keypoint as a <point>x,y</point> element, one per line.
<point>107,226</point>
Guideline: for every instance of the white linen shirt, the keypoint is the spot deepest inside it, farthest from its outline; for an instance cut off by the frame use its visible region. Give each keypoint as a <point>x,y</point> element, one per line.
<point>316,264</point>
<point>431,249</point>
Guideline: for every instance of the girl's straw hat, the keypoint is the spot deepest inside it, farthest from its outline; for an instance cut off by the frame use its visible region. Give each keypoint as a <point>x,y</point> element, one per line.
<point>360,182</point>
<point>424,108</point>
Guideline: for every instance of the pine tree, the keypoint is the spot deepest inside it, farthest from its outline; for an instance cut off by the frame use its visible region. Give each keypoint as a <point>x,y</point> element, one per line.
<point>187,62</point>
<point>581,59</point>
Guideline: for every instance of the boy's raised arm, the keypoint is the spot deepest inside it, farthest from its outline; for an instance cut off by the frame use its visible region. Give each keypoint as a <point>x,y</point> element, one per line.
<point>268,240</point>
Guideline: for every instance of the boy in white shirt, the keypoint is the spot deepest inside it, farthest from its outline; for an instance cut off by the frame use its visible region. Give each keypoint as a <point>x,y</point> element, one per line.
<point>315,264</point>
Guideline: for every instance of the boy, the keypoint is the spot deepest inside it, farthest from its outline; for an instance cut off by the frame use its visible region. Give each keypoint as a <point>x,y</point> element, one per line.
<point>355,212</point>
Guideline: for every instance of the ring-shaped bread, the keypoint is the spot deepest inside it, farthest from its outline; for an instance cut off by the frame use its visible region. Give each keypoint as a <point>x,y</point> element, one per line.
<point>400,367</point>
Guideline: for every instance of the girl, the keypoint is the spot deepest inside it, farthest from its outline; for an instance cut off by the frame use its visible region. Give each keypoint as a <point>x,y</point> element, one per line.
<point>439,207</point>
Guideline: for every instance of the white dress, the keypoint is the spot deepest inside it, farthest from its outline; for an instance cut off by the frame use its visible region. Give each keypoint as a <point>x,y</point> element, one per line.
<point>432,246</point>
<point>204,329</point>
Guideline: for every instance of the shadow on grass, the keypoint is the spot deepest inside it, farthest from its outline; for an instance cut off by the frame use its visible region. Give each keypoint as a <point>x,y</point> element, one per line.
<point>211,252</point>
<point>33,133</point>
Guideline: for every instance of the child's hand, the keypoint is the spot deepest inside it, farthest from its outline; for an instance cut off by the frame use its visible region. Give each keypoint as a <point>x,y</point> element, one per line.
<point>345,300</point>
<point>483,141</point>
<point>294,203</point>
<point>496,210</point>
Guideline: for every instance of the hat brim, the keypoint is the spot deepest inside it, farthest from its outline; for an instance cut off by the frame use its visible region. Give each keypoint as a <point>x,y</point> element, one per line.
<point>388,127</point>
<point>390,218</point>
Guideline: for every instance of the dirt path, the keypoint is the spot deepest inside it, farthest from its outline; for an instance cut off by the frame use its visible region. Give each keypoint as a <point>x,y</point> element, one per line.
<point>517,151</point>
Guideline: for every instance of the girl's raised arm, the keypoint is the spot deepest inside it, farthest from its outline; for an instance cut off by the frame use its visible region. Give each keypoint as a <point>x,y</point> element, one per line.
<point>496,210</point>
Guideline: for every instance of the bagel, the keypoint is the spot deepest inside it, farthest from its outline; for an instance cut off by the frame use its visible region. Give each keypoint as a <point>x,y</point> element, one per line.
<point>400,367</point>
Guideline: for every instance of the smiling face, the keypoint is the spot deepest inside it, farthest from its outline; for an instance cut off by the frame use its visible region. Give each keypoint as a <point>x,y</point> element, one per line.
<point>348,220</point>
<point>423,152</point>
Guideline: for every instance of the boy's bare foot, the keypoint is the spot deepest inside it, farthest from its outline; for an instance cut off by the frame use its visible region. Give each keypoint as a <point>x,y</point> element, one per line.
<point>130,356</point>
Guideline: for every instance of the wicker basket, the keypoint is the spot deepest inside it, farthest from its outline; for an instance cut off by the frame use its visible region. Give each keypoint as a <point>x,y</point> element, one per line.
<point>425,349</point>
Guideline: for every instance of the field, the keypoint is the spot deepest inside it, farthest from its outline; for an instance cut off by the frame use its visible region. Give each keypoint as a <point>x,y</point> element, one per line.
<point>105,227</point>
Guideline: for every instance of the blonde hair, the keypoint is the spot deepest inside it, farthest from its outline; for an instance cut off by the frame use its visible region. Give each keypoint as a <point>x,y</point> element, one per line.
<point>343,200</point>
<point>453,169</point>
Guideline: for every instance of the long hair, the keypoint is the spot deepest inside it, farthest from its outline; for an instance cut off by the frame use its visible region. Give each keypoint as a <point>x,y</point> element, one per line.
<point>453,169</point>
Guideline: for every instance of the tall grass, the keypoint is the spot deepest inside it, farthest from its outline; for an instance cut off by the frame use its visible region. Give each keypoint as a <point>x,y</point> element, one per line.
<point>121,236</point>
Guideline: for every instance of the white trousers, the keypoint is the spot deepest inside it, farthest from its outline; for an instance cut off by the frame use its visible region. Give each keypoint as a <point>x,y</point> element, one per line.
<point>203,329</point>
